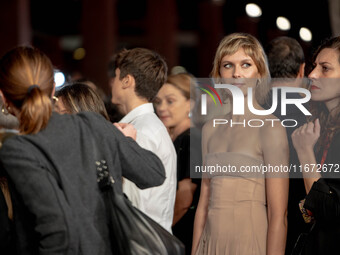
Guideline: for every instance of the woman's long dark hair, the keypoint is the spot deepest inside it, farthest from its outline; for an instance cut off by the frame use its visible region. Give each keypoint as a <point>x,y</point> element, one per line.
<point>329,121</point>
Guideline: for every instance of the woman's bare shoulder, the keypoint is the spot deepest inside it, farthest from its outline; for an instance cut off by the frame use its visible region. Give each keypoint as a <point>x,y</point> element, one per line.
<point>273,132</point>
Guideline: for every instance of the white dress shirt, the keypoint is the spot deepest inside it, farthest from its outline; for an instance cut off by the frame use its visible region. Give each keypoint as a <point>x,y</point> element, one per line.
<point>158,202</point>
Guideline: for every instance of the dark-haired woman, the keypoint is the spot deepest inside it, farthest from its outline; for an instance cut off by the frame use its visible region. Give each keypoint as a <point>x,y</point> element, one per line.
<point>321,170</point>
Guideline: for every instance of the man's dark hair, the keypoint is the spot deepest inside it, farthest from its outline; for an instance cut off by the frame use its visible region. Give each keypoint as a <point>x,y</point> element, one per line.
<point>285,56</point>
<point>147,67</point>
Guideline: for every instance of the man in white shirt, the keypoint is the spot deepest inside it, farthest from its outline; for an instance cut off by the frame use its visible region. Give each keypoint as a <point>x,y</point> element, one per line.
<point>136,77</point>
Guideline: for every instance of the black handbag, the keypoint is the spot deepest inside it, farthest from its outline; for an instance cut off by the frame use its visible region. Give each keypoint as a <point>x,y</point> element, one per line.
<point>301,242</point>
<point>131,231</point>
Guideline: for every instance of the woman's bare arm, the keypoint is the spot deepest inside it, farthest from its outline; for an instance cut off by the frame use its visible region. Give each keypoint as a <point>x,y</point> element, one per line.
<point>184,197</point>
<point>202,207</point>
<point>276,153</point>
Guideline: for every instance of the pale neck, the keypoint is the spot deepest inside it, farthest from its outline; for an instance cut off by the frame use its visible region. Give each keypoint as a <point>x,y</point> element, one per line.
<point>292,82</point>
<point>129,105</point>
<point>247,113</point>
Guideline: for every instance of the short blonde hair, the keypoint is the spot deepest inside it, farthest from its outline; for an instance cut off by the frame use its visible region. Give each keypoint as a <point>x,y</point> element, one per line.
<point>181,81</point>
<point>230,44</point>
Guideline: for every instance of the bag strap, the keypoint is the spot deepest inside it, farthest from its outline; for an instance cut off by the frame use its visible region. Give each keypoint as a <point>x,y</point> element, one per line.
<point>325,151</point>
<point>104,179</point>
<point>105,184</point>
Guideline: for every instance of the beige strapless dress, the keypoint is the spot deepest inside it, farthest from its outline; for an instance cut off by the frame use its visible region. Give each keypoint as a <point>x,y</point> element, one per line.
<point>237,215</point>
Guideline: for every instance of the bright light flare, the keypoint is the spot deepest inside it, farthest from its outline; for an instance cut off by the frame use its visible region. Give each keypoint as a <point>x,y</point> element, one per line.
<point>305,34</point>
<point>59,78</point>
<point>283,23</point>
<point>253,10</point>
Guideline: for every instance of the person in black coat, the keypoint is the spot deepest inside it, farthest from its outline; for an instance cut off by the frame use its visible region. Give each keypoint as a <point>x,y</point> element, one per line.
<point>321,170</point>
<point>286,62</point>
<point>51,165</point>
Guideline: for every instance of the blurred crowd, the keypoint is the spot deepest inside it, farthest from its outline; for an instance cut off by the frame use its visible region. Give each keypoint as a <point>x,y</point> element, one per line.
<point>152,134</point>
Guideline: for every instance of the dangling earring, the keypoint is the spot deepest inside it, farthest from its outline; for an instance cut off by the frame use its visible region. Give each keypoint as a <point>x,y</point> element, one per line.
<point>189,114</point>
<point>257,83</point>
<point>4,110</point>
<point>55,99</point>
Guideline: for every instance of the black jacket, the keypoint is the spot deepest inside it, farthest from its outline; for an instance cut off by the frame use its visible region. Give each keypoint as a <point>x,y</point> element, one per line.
<point>58,208</point>
<point>323,200</point>
<point>296,224</point>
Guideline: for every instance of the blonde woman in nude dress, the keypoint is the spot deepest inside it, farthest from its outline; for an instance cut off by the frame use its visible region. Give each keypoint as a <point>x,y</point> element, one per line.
<point>243,214</point>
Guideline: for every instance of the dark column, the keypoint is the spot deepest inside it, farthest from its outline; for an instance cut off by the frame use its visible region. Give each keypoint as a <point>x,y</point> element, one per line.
<point>99,39</point>
<point>334,15</point>
<point>162,29</point>
<point>248,25</point>
<point>211,32</point>
<point>15,24</point>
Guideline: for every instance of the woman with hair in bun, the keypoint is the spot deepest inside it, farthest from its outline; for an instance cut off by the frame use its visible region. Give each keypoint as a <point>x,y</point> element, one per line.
<point>51,164</point>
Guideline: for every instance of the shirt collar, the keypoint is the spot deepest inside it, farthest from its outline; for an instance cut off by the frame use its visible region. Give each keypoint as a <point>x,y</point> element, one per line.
<point>142,109</point>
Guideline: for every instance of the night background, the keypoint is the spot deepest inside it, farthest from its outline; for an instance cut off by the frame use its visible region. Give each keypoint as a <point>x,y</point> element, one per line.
<point>80,36</point>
